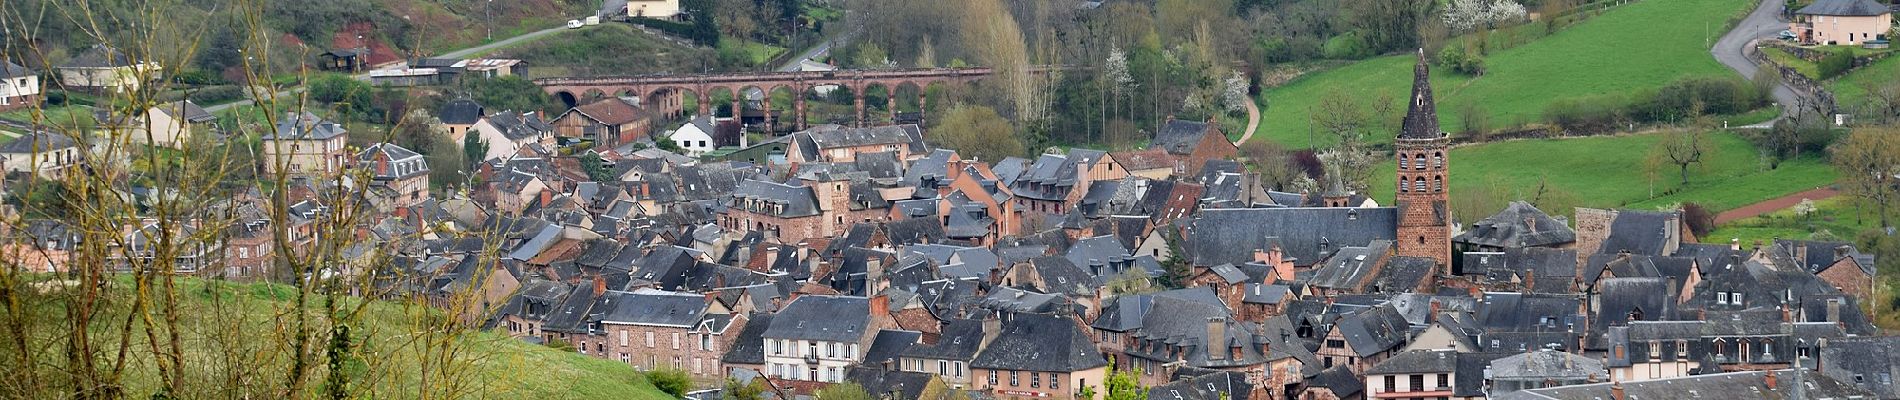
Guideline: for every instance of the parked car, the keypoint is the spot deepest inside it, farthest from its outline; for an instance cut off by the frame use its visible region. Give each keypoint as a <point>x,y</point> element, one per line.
<point>1785,35</point>
<point>574,24</point>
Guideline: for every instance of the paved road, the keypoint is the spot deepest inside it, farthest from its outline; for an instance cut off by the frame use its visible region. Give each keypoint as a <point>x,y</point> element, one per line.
<point>814,51</point>
<point>1253,121</point>
<point>1763,23</point>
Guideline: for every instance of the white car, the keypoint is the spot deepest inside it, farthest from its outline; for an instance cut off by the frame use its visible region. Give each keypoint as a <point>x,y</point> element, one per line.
<point>574,24</point>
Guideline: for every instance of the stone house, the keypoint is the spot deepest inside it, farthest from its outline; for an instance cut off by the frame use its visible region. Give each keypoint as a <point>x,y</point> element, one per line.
<point>837,144</point>
<point>816,338</point>
<point>695,137</point>
<point>1519,225</point>
<point>1056,183</point>
<point>949,353</point>
<point>1192,144</point>
<point>19,86</point>
<point>653,329</point>
<point>1413,374</point>
<point>1037,355</point>
<point>1364,339</point>
<point>1842,22</point>
<point>609,123</point>
<point>303,143</point>
<point>656,9</point>
<point>401,172</point>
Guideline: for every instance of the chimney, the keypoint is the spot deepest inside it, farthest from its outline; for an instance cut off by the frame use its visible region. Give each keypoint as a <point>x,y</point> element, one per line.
<point>1834,310</point>
<point>1216,336</point>
<point>600,285</point>
<point>1786,314</point>
<point>1260,256</point>
<point>771,257</point>
<point>880,306</point>
<point>547,197</point>
<point>778,302</point>
<point>1769,378</point>
<point>992,327</point>
<point>1434,314</point>
<point>1530,281</point>
<point>1801,255</point>
<point>1476,293</point>
<point>1673,289</point>
<point>1616,391</point>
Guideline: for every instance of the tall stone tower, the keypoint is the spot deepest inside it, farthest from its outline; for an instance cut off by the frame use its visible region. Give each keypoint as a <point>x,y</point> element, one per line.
<point>1423,202</point>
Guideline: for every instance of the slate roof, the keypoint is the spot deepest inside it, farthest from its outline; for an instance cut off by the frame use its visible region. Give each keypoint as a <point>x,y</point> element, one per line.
<point>1639,232</point>
<point>100,56</point>
<point>10,70</point>
<point>1748,385</point>
<point>1308,235</point>
<point>1179,137</point>
<point>1619,298</point>
<point>889,345</point>
<point>655,308</point>
<point>305,126</point>
<point>1421,119</point>
<point>1351,266</point>
<point>186,110</point>
<point>461,111</point>
<point>1542,364</point>
<point>749,346</point>
<point>1374,330</point>
<point>1510,311</point>
<point>959,339</point>
<point>822,318</point>
<point>517,126</point>
<point>1340,380</point>
<point>1212,386</point>
<point>1870,363</point>
<point>1417,362</point>
<point>1518,225</point>
<point>40,141</point>
<point>1037,342</point>
<point>889,384</point>
<point>1845,8</point>
<point>1009,169</point>
<point>798,201</point>
<point>868,136</point>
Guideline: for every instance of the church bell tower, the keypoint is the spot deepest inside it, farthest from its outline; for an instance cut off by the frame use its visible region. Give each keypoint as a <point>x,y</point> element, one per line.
<point>1423,169</point>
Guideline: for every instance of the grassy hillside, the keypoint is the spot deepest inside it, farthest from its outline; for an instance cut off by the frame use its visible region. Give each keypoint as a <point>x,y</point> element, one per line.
<point>496,366</point>
<point>1837,218</point>
<point>608,49</point>
<point>1641,45</point>
<point>1607,171</point>
<point>1852,87</point>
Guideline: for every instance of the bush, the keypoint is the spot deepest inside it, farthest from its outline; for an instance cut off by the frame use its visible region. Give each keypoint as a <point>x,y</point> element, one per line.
<point>1835,63</point>
<point>1673,102</point>
<point>218,94</point>
<point>672,381</point>
<point>1587,114</point>
<point>55,98</point>
<point>1348,46</point>
<point>1461,59</point>
<point>196,76</point>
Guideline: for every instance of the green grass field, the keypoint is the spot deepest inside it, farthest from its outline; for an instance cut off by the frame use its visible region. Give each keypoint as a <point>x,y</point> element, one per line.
<point>1852,88</point>
<point>1836,218</point>
<point>609,49</point>
<point>497,366</point>
<point>1640,45</point>
<point>1607,171</point>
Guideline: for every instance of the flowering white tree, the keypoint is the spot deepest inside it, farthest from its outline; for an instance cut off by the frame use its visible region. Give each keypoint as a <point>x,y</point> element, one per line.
<point>1463,16</point>
<point>1234,92</point>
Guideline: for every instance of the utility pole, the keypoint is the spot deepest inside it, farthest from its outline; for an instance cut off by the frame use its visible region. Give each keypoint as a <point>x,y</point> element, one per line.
<point>488,19</point>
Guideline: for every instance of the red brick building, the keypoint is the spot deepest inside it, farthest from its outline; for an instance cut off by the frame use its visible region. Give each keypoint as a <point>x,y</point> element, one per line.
<point>1423,203</point>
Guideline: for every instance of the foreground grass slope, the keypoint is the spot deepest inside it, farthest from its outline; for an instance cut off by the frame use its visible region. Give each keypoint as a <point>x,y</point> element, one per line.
<point>1641,45</point>
<point>495,367</point>
<point>1607,171</point>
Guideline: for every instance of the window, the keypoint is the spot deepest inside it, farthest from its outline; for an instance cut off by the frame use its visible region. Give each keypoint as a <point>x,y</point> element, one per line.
<point>1335,343</point>
<point>1444,380</point>
<point>1721,297</point>
<point>649,340</point>
<point>1735,298</point>
<point>244,252</point>
<point>831,351</point>
<point>774,345</point>
<point>958,368</point>
<point>992,377</point>
<point>705,342</point>
<point>676,341</point>
<point>943,368</point>
<point>1418,382</point>
<point>1054,382</point>
<point>1035,380</point>
<point>1012,379</point>
<point>623,338</point>
<point>1655,349</point>
<point>811,349</point>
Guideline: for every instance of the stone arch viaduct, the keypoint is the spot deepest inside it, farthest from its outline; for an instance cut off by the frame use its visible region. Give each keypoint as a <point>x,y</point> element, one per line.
<point>666,91</point>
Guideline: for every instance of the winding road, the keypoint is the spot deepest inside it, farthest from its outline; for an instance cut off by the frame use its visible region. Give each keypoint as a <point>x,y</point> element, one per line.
<point>1731,51</point>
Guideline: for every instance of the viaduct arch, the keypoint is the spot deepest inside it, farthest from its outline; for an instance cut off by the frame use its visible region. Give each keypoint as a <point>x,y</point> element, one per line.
<point>663,90</point>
